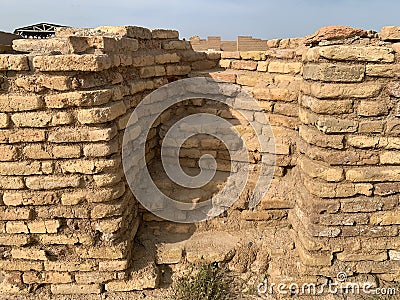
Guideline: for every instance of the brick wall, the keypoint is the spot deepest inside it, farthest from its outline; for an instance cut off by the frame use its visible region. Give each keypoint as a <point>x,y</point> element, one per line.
<point>333,105</point>
<point>67,217</point>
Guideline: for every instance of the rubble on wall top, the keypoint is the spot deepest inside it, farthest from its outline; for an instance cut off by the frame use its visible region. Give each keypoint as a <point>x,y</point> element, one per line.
<point>329,33</point>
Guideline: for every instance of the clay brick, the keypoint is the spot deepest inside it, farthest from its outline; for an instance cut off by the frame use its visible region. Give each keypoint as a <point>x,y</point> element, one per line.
<point>331,90</point>
<point>149,280</point>
<point>15,213</point>
<point>14,240</point>
<point>357,53</point>
<point>315,137</point>
<point>367,204</point>
<point>177,45</point>
<point>29,254</point>
<point>66,151</point>
<point>385,189</point>
<point>89,166</point>
<point>143,60</point>
<point>383,70</point>
<point>100,195</point>
<point>256,215</point>
<point>370,127</point>
<point>153,71</point>
<point>101,114</point>
<point>100,211</point>
<point>125,31</point>
<point>52,182</point>
<point>11,183</point>
<point>327,124</point>
<point>68,266</point>
<point>394,255</point>
<point>390,157</point>
<point>83,134</point>
<point>100,150</point>
<point>333,190</point>
<point>314,258</point>
<point>8,153</point>
<point>36,151</point>
<point>164,34</point>
<point>286,109</point>
<point>26,136</point>
<point>94,277</point>
<point>359,141</point>
<point>374,256</point>
<point>27,198</point>
<point>58,83</point>
<point>167,58</point>
<point>342,219</point>
<point>81,98</point>
<point>61,239</point>
<point>41,119</point>
<point>65,212</point>
<point>20,168</point>
<point>334,72</point>
<point>223,76</point>
<point>262,66</point>
<point>48,226</point>
<point>389,143</point>
<point>46,277</point>
<point>178,70</point>
<point>72,62</point>
<point>385,218</point>
<point>253,55</point>
<point>225,63</point>
<point>79,289</point>
<point>327,106</point>
<point>319,170</point>
<point>113,265</point>
<point>14,62</point>
<point>4,121</point>
<point>100,252</point>
<point>373,174</point>
<point>282,94</point>
<point>285,67</point>
<point>230,54</point>
<point>372,108</point>
<point>16,265</point>
<point>103,180</point>
<point>390,33</point>
<point>393,127</point>
<point>244,65</point>
<point>14,227</point>
<point>15,103</point>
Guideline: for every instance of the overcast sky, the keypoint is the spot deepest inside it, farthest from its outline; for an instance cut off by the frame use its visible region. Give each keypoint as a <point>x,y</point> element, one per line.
<point>228,18</point>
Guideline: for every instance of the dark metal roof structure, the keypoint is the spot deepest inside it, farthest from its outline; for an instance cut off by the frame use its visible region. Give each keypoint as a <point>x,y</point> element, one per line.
<point>38,31</point>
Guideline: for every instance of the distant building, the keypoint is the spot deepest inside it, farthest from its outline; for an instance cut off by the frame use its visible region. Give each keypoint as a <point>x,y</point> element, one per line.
<point>38,31</point>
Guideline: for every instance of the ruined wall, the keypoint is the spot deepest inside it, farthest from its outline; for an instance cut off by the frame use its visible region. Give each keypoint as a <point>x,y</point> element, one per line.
<point>67,217</point>
<point>242,43</point>
<point>333,104</point>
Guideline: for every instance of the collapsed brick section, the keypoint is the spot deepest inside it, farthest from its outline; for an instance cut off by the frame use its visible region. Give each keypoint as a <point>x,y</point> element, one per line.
<point>67,216</point>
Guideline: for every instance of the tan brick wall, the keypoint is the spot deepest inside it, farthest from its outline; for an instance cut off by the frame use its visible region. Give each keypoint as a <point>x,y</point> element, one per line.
<point>68,218</point>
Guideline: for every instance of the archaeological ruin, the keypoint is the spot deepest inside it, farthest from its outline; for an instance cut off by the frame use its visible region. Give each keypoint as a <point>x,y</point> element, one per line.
<point>70,224</point>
